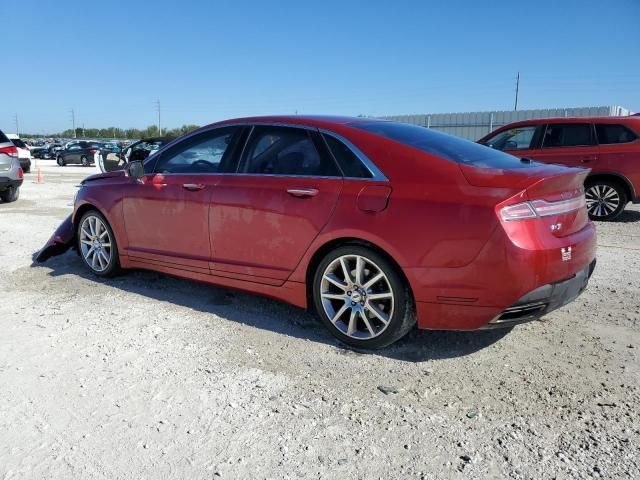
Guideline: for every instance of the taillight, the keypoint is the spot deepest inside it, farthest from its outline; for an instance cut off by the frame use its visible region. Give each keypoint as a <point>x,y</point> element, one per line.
<point>11,151</point>
<point>92,151</point>
<point>541,208</point>
<point>20,173</point>
<point>518,211</point>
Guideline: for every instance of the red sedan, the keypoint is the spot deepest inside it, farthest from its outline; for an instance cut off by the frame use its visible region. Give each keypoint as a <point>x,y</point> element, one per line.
<point>378,225</point>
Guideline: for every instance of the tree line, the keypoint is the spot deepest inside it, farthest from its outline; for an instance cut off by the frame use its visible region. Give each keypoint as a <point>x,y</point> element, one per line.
<point>117,133</point>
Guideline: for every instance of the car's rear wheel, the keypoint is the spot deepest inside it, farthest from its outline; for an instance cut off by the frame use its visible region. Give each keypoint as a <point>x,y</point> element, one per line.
<point>61,161</point>
<point>362,298</point>
<point>606,199</point>
<point>97,244</point>
<point>11,194</point>
<point>85,161</point>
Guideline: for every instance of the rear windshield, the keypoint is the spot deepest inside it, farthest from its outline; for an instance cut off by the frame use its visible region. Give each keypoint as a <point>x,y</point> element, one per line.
<point>19,143</point>
<point>3,138</point>
<point>443,145</point>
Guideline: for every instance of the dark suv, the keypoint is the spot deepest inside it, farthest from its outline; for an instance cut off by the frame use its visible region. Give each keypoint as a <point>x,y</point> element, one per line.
<point>81,152</point>
<point>609,146</point>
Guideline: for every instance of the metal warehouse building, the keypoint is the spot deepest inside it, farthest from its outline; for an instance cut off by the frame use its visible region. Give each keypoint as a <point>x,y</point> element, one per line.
<point>473,125</point>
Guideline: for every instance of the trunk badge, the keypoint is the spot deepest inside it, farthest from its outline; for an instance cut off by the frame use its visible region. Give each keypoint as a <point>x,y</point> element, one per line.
<point>566,254</point>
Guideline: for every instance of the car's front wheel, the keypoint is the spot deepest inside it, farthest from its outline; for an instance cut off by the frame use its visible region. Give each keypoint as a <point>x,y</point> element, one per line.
<point>11,194</point>
<point>362,298</point>
<point>85,161</point>
<point>97,244</point>
<point>606,199</point>
<point>60,161</point>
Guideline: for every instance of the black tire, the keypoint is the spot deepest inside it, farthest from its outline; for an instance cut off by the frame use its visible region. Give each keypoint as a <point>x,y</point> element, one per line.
<point>113,266</point>
<point>403,316</point>
<point>606,199</point>
<point>85,161</point>
<point>27,170</point>
<point>61,161</point>
<point>11,194</point>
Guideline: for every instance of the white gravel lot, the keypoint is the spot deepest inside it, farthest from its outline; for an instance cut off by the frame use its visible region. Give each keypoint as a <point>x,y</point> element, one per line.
<point>147,376</point>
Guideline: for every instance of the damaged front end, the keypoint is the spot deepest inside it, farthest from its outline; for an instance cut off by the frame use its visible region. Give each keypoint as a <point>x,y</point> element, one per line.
<point>61,241</point>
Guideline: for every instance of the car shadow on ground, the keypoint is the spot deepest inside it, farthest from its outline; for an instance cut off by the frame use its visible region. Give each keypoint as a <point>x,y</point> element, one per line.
<point>264,313</point>
<point>629,216</point>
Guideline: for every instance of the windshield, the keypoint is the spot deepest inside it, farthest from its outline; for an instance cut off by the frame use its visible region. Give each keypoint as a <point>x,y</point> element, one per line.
<point>446,146</point>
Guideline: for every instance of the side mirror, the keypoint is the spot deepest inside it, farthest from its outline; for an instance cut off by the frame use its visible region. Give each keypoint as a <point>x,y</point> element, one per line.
<point>134,170</point>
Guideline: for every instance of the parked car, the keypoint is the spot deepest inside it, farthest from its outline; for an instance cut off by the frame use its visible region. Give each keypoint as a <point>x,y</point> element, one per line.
<point>11,175</point>
<point>376,224</point>
<point>143,148</point>
<point>38,151</point>
<point>24,153</point>
<point>81,152</point>
<point>609,146</point>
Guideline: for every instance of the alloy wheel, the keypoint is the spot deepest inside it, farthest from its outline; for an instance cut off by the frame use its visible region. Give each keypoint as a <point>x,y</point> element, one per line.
<point>95,243</point>
<point>357,297</point>
<point>602,200</point>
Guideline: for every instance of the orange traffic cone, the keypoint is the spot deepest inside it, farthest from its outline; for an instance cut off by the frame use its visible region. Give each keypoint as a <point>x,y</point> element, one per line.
<point>39,176</point>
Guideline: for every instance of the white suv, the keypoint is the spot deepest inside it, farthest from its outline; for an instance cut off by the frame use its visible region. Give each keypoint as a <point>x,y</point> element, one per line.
<point>11,175</point>
<point>24,153</point>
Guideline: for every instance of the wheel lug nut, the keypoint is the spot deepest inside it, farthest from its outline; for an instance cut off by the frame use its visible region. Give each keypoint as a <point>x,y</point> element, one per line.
<point>349,293</point>
<point>353,304</point>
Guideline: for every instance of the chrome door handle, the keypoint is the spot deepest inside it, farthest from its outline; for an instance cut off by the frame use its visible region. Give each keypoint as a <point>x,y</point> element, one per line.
<point>303,192</point>
<point>193,187</point>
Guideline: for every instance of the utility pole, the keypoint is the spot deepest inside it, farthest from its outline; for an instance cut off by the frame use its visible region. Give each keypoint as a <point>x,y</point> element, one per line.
<point>73,122</point>
<point>517,90</point>
<point>159,124</point>
<point>83,136</point>
<point>15,118</point>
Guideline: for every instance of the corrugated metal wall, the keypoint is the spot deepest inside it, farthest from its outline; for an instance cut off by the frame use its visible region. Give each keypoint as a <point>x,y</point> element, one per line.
<point>473,125</point>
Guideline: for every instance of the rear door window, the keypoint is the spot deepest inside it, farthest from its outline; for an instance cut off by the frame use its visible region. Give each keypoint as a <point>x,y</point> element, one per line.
<point>285,151</point>
<point>568,135</point>
<point>609,134</point>
<point>350,164</point>
<point>3,138</point>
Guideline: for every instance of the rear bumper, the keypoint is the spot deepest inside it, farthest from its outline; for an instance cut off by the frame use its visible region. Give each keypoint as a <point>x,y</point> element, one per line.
<point>6,182</point>
<point>505,275</point>
<point>543,300</point>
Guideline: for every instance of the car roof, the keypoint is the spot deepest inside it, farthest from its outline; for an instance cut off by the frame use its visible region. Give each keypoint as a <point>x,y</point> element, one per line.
<point>538,121</point>
<point>318,121</point>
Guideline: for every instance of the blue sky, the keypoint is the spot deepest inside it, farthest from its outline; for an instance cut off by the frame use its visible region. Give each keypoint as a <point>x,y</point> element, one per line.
<point>208,60</point>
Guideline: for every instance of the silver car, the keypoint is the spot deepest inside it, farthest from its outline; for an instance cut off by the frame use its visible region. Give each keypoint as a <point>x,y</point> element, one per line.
<point>11,174</point>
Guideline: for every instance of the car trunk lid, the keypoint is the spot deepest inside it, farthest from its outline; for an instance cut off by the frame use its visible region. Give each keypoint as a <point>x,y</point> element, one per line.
<point>551,194</point>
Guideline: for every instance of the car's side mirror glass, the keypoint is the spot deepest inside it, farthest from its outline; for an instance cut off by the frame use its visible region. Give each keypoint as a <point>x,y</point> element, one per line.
<point>135,170</point>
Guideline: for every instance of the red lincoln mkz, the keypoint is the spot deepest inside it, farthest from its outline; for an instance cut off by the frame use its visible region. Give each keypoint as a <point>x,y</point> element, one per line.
<point>377,224</point>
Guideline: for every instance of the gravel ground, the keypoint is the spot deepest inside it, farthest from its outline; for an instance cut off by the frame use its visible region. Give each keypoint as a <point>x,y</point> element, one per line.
<point>149,376</point>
